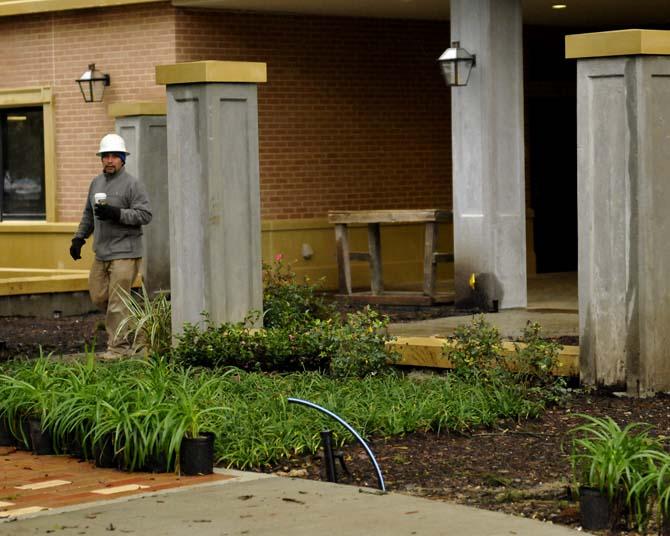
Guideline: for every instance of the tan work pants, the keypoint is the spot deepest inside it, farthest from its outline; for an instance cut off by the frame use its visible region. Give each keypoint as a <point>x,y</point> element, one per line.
<point>104,282</point>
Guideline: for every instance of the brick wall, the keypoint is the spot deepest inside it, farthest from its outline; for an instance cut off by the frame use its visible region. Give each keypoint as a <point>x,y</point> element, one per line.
<point>54,49</point>
<point>355,114</point>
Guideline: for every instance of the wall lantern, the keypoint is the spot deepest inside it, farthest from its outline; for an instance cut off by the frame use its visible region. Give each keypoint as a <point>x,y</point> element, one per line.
<point>92,84</point>
<point>456,63</point>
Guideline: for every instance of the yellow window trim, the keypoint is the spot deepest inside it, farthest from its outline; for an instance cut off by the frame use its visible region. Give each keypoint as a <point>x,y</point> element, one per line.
<point>39,96</point>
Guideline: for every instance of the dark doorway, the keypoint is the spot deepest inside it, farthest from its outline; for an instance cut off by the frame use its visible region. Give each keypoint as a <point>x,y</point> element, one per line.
<point>552,144</point>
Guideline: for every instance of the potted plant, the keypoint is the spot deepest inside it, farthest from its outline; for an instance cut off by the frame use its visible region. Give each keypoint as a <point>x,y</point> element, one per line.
<point>607,464</point>
<point>189,424</point>
<point>654,486</point>
<point>149,321</point>
<point>73,411</point>
<point>28,396</point>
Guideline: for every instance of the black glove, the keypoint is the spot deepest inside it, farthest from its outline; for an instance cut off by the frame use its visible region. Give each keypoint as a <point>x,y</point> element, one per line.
<point>75,248</point>
<point>107,212</point>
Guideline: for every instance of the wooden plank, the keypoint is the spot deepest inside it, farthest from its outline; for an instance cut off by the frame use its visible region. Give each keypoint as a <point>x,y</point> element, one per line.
<point>375,248</point>
<point>397,298</point>
<point>428,260</point>
<point>443,257</point>
<point>390,216</point>
<point>359,256</point>
<point>428,352</point>
<point>343,266</point>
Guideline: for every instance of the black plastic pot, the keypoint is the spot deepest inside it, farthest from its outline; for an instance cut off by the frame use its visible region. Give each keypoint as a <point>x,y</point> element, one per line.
<point>104,454</point>
<point>23,437</point>
<point>40,439</point>
<point>664,527</point>
<point>595,509</point>
<point>156,463</point>
<point>73,446</point>
<point>7,439</point>
<point>196,456</point>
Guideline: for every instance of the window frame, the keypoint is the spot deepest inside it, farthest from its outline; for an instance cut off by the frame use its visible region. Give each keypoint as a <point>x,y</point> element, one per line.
<point>35,97</point>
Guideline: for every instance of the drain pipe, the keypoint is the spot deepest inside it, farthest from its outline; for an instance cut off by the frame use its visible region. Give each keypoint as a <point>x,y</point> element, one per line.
<point>353,432</point>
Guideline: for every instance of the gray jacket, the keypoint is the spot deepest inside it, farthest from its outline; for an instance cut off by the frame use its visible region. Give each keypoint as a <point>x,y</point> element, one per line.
<point>112,240</point>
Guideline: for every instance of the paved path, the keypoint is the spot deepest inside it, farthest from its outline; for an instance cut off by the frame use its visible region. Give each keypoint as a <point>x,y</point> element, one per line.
<point>256,505</point>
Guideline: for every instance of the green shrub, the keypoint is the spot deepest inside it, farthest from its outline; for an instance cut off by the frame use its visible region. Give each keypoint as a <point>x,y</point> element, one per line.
<point>476,349</point>
<point>353,347</point>
<point>535,361</point>
<point>232,344</point>
<point>357,346</point>
<point>476,352</point>
<point>288,303</point>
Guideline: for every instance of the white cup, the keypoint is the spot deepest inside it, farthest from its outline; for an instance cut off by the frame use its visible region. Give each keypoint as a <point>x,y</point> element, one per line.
<point>100,199</point>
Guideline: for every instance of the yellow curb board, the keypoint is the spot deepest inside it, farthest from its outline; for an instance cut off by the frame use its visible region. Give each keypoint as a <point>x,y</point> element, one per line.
<point>5,504</point>
<point>427,352</point>
<point>45,484</point>
<point>119,489</point>
<point>23,511</point>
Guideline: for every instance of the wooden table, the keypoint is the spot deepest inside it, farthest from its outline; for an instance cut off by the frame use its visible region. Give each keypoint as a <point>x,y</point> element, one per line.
<point>373,218</point>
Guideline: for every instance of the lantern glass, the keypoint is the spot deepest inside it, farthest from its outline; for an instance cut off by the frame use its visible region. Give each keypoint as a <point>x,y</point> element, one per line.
<point>92,84</point>
<point>456,64</point>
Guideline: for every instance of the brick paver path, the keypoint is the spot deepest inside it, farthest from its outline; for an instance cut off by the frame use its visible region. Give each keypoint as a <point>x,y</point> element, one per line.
<point>85,482</point>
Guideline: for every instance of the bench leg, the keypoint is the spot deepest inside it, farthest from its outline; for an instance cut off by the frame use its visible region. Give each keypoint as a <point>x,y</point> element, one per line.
<point>343,266</point>
<point>429,265</point>
<point>375,251</point>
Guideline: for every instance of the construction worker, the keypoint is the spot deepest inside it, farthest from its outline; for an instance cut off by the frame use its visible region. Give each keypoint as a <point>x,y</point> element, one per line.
<point>116,208</point>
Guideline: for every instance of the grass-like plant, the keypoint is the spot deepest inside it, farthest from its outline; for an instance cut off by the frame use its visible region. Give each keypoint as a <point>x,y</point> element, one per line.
<point>29,392</point>
<point>653,486</point>
<point>614,459</point>
<point>148,406</point>
<point>189,411</point>
<point>149,320</point>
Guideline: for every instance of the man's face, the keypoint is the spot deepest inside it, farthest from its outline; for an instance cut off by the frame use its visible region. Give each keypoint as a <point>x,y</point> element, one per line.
<point>111,163</point>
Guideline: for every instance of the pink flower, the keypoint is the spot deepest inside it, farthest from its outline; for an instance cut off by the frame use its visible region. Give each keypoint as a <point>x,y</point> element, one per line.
<point>279,257</point>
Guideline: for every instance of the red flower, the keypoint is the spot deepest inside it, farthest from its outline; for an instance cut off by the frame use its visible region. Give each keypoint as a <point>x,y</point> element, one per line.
<point>279,257</point>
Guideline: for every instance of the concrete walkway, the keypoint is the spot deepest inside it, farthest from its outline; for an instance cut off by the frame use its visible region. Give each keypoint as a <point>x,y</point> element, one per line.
<point>552,302</point>
<point>258,504</point>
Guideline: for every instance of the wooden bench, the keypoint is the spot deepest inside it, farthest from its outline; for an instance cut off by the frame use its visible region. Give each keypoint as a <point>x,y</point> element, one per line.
<point>373,219</point>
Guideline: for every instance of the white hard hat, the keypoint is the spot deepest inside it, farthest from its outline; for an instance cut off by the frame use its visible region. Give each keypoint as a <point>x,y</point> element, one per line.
<point>112,143</point>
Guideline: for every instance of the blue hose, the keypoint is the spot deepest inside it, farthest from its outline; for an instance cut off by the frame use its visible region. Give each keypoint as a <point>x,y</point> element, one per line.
<point>380,478</point>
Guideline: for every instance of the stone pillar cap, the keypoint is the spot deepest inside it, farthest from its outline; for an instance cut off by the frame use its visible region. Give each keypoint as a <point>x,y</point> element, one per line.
<point>132,108</point>
<point>617,43</point>
<point>211,71</point>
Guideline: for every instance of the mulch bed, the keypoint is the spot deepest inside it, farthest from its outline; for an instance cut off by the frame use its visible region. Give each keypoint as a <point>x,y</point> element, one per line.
<point>518,468</point>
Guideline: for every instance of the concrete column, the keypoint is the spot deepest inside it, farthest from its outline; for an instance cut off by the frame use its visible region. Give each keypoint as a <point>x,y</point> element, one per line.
<point>623,108</point>
<point>488,153</point>
<point>142,125</point>
<point>213,176</point>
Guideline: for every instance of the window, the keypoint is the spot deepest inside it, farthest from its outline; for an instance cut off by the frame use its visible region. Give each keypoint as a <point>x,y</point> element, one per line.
<point>22,163</point>
<point>27,155</point>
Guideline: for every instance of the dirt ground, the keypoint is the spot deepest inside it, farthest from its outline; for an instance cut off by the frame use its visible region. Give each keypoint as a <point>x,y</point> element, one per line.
<point>519,468</point>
